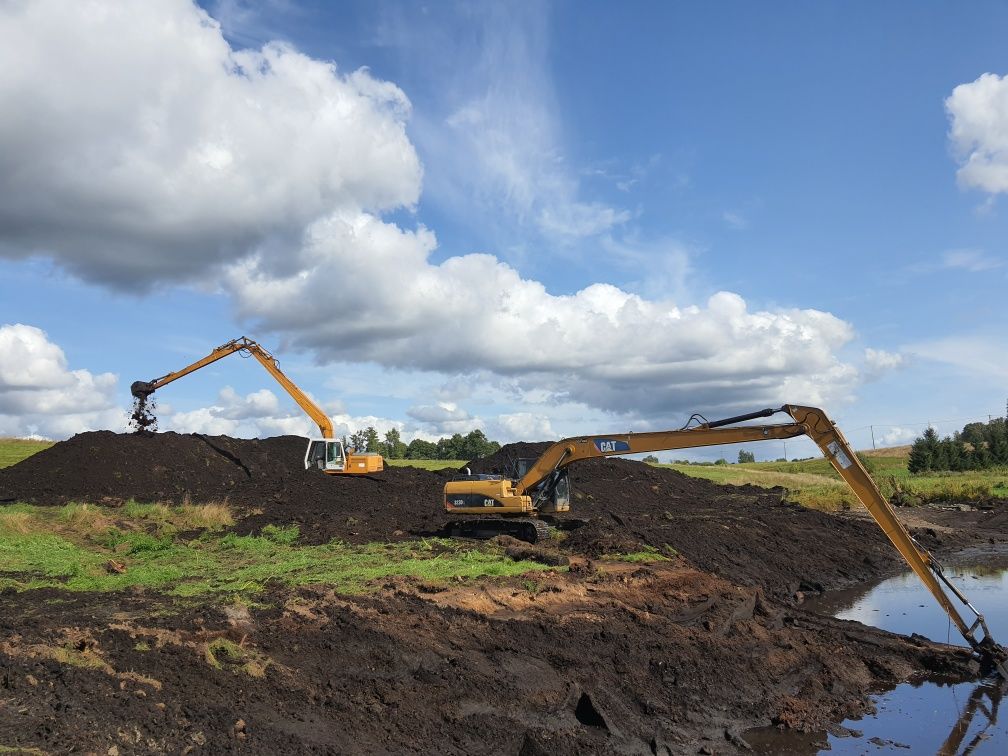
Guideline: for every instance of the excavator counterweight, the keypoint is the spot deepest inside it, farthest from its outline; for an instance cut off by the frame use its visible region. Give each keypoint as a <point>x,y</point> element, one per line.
<point>542,486</point>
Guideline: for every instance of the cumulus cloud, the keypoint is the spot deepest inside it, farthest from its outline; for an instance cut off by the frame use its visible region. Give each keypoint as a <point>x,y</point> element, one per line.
<point>142,148</point>
<point>878,362</point>
<point>41,395</point>
<point>137,146</point>
<point>979,132</point>
<point>522,426</point>
<point>262,413</point>
<point>601,346</point>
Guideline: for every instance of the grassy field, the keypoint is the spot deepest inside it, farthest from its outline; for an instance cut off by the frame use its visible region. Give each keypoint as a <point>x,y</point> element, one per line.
<point>427,464</point>
<point>814,482</point>
<point>81,547</point>
<point>13,450</point>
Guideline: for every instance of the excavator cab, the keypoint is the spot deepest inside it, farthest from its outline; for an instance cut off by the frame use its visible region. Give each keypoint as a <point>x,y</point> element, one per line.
<point>325,454</point>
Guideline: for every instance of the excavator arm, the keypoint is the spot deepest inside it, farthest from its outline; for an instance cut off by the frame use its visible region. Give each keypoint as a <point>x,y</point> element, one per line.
<point>143,389</point>
<point>326,453</point>
<point>532,490</point>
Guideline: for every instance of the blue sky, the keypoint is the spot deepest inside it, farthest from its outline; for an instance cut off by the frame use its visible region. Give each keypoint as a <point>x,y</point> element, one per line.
<point>784,206</point>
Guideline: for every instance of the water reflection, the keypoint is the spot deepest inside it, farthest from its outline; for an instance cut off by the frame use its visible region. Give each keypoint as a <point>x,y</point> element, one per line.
<point>992,692</point>
<point>927,717</point>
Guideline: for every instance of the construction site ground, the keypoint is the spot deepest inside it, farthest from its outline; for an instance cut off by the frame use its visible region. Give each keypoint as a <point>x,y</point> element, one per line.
<point>665,616</point>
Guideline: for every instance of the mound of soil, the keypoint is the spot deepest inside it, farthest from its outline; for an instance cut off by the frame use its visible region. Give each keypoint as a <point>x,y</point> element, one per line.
<point>747,534</point>
<point>264,480</point>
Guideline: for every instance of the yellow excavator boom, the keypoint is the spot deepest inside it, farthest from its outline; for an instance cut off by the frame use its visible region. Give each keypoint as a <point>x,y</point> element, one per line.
<point>535,491</point>
<point>267,360</point>
<point>330,456</point>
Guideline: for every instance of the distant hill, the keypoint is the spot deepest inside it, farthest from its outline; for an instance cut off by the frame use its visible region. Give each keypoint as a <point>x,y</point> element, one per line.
<point>891,451</point>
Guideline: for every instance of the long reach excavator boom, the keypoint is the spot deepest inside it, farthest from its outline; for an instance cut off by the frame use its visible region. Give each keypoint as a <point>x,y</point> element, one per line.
<point>326,453</point>
<point>541,486</point>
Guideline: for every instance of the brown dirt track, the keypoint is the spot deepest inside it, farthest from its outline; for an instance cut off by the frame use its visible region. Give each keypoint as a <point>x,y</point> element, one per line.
<point>668,658</point>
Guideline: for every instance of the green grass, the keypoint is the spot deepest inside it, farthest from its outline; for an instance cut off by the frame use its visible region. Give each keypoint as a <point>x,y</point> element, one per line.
<point>13,450</point>
<point>814,483</point>
<point>427,464</point>
<point>33,556</point>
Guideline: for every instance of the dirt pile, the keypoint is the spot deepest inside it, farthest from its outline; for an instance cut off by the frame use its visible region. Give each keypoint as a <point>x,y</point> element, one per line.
<point>748,535</point>
<point>264,480</point>
<point>649,660</point>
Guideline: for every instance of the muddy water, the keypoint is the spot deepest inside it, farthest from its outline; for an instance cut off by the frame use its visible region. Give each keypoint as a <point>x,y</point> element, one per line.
<point>930,717</point>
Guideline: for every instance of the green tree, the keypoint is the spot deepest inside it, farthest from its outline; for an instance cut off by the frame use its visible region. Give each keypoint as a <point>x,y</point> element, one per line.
<point>476,444</point>
<point>745,456</point>
<point>371,438</point>
<point>420,449</point>
<point>358,441</point>
<point>651,459</point>
<point>393,446</point>
<point>923,452</point>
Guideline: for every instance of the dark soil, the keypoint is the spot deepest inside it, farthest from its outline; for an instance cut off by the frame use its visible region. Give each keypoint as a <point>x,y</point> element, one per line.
<point>746,534</point>
<point>662,659</point>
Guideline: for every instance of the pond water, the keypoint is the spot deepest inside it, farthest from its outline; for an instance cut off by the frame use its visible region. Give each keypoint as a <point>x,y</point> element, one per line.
<point>929,717</point>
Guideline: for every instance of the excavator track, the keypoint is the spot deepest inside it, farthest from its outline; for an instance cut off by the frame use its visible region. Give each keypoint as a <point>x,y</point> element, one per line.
<point>524,529</point>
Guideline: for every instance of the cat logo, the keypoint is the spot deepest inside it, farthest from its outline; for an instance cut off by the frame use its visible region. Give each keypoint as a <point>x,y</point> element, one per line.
<point>611,445</point>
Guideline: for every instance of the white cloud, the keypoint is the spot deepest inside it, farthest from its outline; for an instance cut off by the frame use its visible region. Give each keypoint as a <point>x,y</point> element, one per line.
<point>522,426</point>
<point>971,260</point>
<point>734,220</point>
<point>899,436</point>
<point>493,136</point>
<point>601,346</point>
<point>258,404</point>
<point>260,414</point>
<point>144,149</point>
<point>979,132</point>
<point>878,362</point>
<point>975,355</point>
<point>136,146</point>
<point>40,394</point>
<point>437,413</point>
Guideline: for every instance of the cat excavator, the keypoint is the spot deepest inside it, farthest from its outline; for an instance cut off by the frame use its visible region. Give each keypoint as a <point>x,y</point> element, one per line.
<point>496,504</point>
<point>326,453</point>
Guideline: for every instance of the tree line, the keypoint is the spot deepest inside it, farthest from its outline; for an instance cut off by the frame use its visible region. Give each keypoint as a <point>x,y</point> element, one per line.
<point>470,446</point>
<point>977,446</point>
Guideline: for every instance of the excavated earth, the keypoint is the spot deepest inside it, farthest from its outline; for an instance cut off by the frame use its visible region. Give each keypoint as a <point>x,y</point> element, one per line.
<point>674,657</point>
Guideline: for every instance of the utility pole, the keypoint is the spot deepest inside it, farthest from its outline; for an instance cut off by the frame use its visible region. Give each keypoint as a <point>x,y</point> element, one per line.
<point>872,436</point>
<point>785,451</point>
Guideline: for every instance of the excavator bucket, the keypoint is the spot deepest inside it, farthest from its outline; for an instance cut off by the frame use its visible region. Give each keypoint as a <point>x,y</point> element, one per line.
<point>141,389</point>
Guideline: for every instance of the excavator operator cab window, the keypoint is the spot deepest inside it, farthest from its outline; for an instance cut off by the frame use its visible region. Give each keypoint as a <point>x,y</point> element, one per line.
<point>522,465</point>
<point>561,493</point>
<point>334,455</point>
<point>316,456</point>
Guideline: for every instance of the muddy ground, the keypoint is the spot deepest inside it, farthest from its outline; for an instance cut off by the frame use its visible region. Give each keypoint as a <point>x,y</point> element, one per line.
<point>673,657</point>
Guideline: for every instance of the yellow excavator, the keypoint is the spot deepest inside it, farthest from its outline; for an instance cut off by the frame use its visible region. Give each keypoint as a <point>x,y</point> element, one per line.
<point>495,504</point>
<point>326,453</point>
